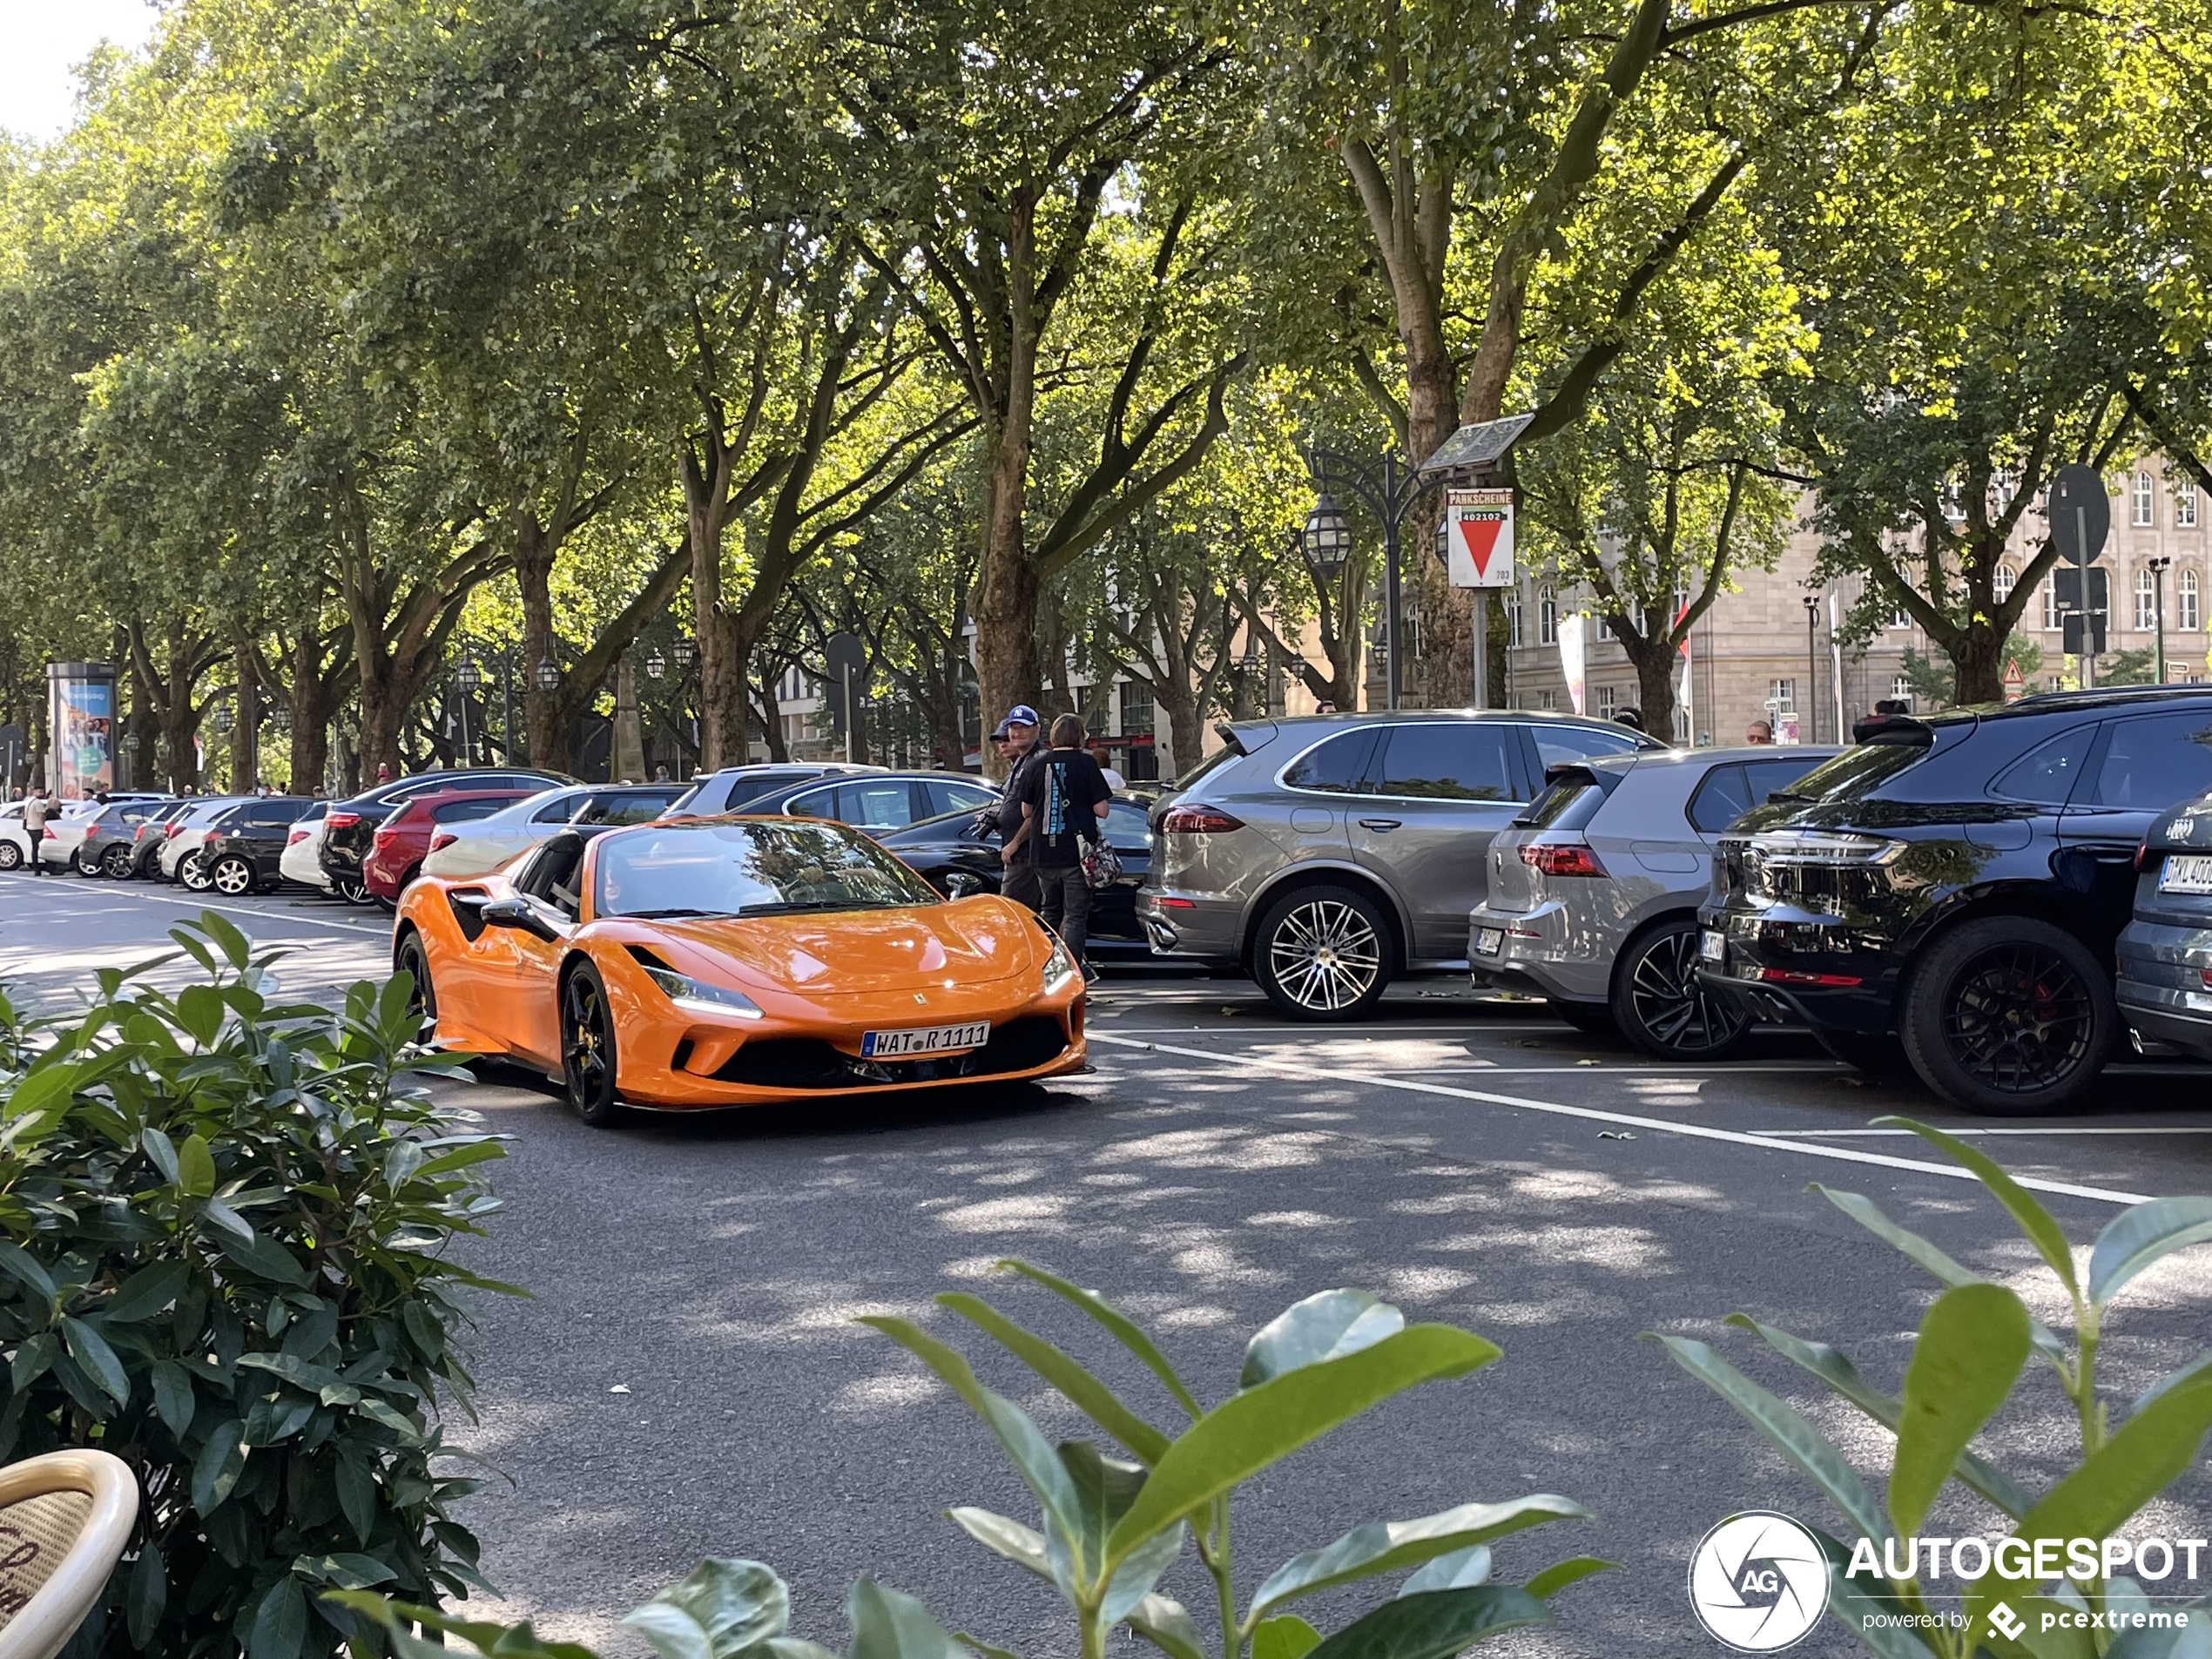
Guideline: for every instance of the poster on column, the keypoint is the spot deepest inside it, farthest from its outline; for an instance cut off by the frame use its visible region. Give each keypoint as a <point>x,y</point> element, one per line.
<point>80,713</point>
<point>1479,548</point>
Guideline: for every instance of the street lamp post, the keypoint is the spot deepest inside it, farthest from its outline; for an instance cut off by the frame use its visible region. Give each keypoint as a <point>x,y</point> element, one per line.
<point>466,678</point>
<point>2158,569</point>
<point>1813,669</point>
<point>1388,490</point>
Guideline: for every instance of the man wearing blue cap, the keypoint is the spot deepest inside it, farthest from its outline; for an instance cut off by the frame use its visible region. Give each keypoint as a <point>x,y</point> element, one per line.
<point>1016,737</point>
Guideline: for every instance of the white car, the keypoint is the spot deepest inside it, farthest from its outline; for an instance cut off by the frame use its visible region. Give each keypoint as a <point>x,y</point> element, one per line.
<point>14,840</point>
<point>302,860</point>
<point>484,844</point>
<point>185,835</point>
<point>65,832</point>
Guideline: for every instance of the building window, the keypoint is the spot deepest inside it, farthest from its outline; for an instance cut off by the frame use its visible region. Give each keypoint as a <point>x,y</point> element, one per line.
<point>2001,581</point>
<point>1513,618</point>
<point>1609,701</point>
<point>1137,710</point>
<point>1547,701</point>
<point>1901,688</point>
<point>1901,618</point>
<point>1548,618</point>
<point>2185,601</point>
<point>2143,499</point>
<point>1781,695</point>
<point>2055,683</point>
<point>1954,502</point>
<point>2051,604</point>
<point>2185,507</point>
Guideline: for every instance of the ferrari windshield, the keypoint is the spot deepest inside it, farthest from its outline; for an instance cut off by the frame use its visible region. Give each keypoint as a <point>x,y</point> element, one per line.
<point>755,868</point>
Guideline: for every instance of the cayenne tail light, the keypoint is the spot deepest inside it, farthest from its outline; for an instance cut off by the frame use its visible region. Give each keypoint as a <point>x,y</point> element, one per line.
<point>1559,859</point>
<point>342,820</point>
<point>1198,820</point>
<point>443,838</point>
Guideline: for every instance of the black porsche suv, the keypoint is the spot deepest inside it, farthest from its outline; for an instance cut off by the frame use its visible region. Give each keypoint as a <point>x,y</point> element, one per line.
<point>1949,893</point>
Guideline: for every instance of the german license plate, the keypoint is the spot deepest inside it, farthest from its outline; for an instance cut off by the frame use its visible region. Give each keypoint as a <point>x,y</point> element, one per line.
<point>1713,946</point>
<point>933,1039</point>
<point>1489,941</point>
<point>2186,872</point>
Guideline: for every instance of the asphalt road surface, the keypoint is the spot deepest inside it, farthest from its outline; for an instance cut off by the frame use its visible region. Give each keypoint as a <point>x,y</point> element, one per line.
<point>687,1378</point>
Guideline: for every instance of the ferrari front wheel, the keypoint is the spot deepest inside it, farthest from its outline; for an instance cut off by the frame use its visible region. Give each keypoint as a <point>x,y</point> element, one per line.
<point>588,1047</point>
<point>412,961</point>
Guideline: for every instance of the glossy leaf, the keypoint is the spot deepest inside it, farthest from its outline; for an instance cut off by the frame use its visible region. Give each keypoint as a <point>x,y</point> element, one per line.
<point>1457,1571</point>
<point>1435,1625</point>
<point>2139,1235</point>
<point>1285,1637</point>
<point>148,1595</point>
<point>1165,1623</point>
<point>2187,1642</point>
<point>2033,1220</point>
<point>147,1292</point>
<point>19,1265</point>
<point>1797,1439</point>
<point>1118,1324</point>
<point>281,1624</point>
<point>1972,1346</point>
<point>90,1349</point>
<point>217,1467</point>
<point>263,1255</point>
<point>1833,1367</point>
<point>1384,1546</point>
<point>196,1167</point>
<point>1247,1432</point>
<point>717,1609</point>
<point>1559,1574</point>
<point>1022,1545</point>
<point>1321,1327</point>
<point>1082,1390</point>
<point>889,1625</point>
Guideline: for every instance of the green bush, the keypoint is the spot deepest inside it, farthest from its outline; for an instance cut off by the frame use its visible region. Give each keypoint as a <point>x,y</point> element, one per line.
<point>1109,1528</point>
<point>1972,1345</point>
<point>225,1221</point>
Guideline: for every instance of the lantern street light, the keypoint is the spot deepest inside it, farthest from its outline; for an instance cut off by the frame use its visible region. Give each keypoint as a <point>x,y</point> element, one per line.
<point>222,719</point>
<point>280,717</point>
<point>1326,539</point>
<point>2158,568</point>
<point>468,677</point>
<point>656,665</point>
<point>686,654</point>
<point>548,674</point>
<point>1388,490</point>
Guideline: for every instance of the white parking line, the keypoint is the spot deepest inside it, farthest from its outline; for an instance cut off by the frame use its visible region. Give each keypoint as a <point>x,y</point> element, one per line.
<point>259,916</point>
<point>1660,1125</point>
<point>2101,1129</point>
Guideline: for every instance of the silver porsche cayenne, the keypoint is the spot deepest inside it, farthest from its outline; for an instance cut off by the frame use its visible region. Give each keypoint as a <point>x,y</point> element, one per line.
<point>1594,892</point>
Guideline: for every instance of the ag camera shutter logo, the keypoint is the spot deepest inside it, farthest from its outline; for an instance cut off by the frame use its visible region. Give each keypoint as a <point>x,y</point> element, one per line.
<point>1758,1582</point>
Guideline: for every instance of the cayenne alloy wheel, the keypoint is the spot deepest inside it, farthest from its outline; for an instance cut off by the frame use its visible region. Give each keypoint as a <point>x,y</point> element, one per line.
<point>588,1047</point>
<point>1661,1008</point>
<point>232,877</point>
<point>1323,954</point>
<point>2010,1015</point>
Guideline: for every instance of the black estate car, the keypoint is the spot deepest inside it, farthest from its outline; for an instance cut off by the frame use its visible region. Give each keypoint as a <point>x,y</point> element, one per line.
<point>1950,892</point>
<point>352,823</point>
<point>241,850</point>
<point>940,849</point>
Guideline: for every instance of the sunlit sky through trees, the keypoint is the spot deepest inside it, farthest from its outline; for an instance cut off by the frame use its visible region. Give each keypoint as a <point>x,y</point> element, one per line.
<point>41,43</point>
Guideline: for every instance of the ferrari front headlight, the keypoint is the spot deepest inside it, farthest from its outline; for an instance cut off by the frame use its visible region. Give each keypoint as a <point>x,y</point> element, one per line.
<point>696,996</point>
<point>1059,968</point>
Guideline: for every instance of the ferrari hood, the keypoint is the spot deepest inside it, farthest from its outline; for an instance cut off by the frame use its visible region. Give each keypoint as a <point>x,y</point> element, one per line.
<point>969,941</point>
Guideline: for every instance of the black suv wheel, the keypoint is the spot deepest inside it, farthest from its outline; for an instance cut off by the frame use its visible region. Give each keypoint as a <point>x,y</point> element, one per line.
<point>1323,954</point>
<point>2009,1016</point>
<point>1661,1008</point>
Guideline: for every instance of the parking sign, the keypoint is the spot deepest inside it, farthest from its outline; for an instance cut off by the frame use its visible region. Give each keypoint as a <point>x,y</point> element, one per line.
<point>1479,551</point>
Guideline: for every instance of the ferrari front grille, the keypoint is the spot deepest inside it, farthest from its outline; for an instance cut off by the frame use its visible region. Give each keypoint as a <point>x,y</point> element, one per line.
<point>808,1062</point>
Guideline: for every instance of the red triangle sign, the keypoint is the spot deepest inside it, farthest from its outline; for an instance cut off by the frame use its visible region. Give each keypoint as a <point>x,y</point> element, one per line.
<point>1478,535</point>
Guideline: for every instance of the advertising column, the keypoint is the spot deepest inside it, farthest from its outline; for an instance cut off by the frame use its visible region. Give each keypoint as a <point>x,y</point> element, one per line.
<point>80,705</point>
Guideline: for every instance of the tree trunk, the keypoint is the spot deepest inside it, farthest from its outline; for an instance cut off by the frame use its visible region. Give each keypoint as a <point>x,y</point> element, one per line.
<point>722,696</point>
<point>245,734</point>
<point>1656,664</point>
<point>1006,589</point>
<point>313,704</point>
<point>550,744</point>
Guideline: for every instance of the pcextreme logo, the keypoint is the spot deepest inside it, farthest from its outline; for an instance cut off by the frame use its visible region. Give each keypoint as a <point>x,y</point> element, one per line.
<point>1758,1582</point>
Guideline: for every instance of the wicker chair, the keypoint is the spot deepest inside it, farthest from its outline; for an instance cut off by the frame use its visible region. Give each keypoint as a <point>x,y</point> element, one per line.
<point>64,1519</point>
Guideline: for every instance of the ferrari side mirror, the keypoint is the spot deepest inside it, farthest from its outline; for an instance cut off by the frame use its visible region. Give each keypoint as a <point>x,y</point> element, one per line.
<point>521,913</point>
<point>961,885</point>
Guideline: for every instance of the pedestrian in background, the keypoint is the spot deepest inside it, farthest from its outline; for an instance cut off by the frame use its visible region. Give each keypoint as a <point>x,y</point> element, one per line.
<point>36,811</point>
<point>1632,719</point>
<point>1886,711</point>
<point>1103,758</point>
<point>1016,739</point>
<point>1063,799</point>
<point>1760,732</point>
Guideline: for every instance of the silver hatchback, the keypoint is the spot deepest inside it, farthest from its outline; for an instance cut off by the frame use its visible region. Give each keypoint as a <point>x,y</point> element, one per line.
<point>1594,892</point>
<point>1325,855</point>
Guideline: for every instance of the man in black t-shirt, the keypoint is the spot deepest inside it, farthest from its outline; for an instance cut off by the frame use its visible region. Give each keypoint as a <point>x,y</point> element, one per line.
<point>1063,799</point>
<point>1016,739</point>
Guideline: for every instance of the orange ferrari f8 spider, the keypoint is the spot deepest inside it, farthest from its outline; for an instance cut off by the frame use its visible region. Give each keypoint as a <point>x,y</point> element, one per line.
<point>733,962</point>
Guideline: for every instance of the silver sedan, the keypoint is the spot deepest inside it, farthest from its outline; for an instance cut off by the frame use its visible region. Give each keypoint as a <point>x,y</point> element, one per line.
<point>1594,892</point>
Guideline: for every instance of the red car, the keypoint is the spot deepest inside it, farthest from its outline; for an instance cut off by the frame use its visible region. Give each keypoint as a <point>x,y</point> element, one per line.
<point>403,839</point>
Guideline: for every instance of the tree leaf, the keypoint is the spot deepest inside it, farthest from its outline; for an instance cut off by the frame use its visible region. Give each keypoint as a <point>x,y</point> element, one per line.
<point>1457,1571</point>
<point>345,1571</point>
<point>1833,1367</point>
<point>1285,1637</point>
<point>1559,1574</point>
<point>19,1265</point>
<point>281,1624</point>
<point>260,1254</point>
<point>1435,1625</point>
<point>1384,1546</point>
<point>215,1471</point>
<point>888,1624</point>
<point>1088,1395</point>
<point>1116,1324</point>
<point>147,1597</point>
<point>1254,1428</point>
<point>90,1349</point>
<point>34,1357</point>
<point>1017,1543</point>
<point>1799,1440</point>
<point>196,1167</point>
<point>201,1011</point>
<point>2139,1235</point>
<point>718,1608</point>
<point>1972,1346</point>
<point>357,1494</point>
<point>1322,1326</point>
<point>147,1292</point>
<point>2033,1220</point>
<point>1164,1623</point>
<point>162,1151</point>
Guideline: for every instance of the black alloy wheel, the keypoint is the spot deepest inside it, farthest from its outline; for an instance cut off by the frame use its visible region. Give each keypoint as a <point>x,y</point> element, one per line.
<point>351,888</point>
<point>1323,954</point>
<point>412,961</point>
<point>115,863</point>
<point>2008,1017</point>
<point>588,1048</point>
<point>1659,1004</point>
<point>231,876</point>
